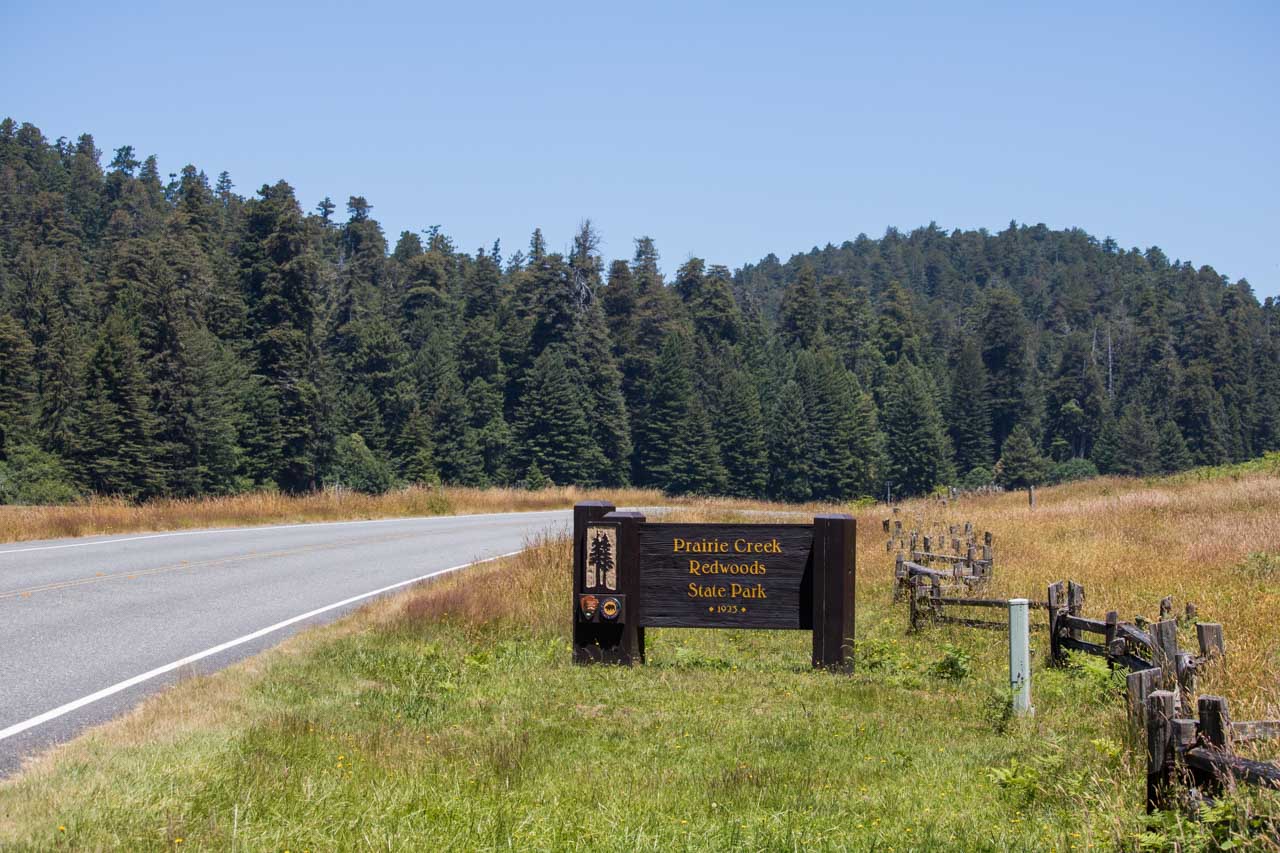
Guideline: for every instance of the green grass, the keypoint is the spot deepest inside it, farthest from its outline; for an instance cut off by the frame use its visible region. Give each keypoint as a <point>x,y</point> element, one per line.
<point>456,737</point>
<point>452,719</point>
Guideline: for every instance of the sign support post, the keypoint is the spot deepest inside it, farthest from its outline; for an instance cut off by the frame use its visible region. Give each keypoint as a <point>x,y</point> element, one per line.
<point>834,538</point>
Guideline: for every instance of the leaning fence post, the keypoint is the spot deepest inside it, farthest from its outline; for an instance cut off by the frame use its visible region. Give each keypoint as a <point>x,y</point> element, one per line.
<point>1020,655</point>
<point>1159,755</point>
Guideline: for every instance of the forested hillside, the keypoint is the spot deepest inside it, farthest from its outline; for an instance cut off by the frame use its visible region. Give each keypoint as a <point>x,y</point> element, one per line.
<point>165,335</point>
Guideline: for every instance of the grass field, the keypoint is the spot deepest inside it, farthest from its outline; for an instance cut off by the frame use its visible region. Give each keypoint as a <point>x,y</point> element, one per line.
<point>104,516</point>
<point>449,717</point>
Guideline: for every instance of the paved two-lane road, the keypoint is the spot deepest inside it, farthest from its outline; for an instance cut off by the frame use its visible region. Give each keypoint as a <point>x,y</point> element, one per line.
<point>86,623</point>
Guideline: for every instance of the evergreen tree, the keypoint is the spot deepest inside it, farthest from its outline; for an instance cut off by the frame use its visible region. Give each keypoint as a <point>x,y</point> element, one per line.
<point>680,454</point>
<point>742,439</point>
<point>801,320</point>
<point>1021,464</point>
<point>1138,443</point>
<point>969,414</point>
<point>280,276</point>
<point>17,382</point>
<point>416,451</point>
<point>1173,454</point>
<point>917,450</point>
<point>1202,417</point>
<point>552,424</point>
<point>1003,332</point>
<point>112,429</point>
<point>790,468</point>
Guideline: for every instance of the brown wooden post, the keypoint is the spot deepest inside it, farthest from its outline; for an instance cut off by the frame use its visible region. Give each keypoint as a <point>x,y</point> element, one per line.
<point>586,633</point>
<point>913,595</point>
<point>1138,686</point>
<point>1210,636</point>
<point>1186,670</point>
<point>1031,496</point>
<point>1215,721</point>
<point>1160,706</point>
<point>834,545</point>
<point>1166,607</point>
<point>1075,605</point>
<point>1113,630</point>
<point>899,576</point>
<point>1055,600</point>
<point>632,641</point>
<point>1164,652</point>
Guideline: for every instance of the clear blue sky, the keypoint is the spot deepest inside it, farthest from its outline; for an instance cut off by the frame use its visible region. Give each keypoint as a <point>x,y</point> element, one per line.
<point>723,130</point>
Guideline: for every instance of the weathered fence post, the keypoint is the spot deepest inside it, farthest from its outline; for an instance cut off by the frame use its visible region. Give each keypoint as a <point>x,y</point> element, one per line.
<point>913,596</point>
<point>1075,605</point>
<point>1055,596</point>
<point>1031,496</point>
<point>1215,721</point>
<point>1186,666</point>
<point>1139,685</point>
<point>1210,636</point>
<point>1020,655</point>
<point>1159,748</point>
<point>1113,632</point>
<point>1164,652</point>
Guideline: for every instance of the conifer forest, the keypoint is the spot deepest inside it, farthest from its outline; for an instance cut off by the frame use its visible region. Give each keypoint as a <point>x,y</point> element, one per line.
<point>166,335</point>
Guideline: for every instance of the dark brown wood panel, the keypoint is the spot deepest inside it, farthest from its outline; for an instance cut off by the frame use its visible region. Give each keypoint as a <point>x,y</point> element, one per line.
<point>726,575</point>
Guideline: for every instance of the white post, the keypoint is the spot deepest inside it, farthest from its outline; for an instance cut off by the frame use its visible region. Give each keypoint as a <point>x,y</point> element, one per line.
<point>1020,656</point>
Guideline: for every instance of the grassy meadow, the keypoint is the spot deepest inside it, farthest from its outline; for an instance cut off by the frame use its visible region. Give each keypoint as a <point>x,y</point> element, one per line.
<point>100,516</point>
<point>449,717</point>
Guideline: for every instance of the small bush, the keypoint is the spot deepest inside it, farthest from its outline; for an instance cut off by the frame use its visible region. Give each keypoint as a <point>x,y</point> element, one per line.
<point>877,655</point>
<point>997,710</point>
<point>1072,470</point>
<point>31,476</point>
<point>1260,565</point>
<point>357,467</point>
<point>955,664</point>
<point>535,480</point>
<point>977,478</point>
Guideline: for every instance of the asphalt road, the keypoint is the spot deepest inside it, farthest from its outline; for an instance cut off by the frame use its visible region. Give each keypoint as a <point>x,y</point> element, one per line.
<point>86,623</point>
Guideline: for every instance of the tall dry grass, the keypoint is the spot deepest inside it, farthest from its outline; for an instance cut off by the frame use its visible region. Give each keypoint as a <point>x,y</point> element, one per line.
<point>101,516</point>
<point>1130,543</point>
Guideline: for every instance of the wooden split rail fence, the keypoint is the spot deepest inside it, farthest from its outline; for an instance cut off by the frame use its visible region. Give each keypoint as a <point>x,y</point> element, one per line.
<point>1190,760</point>
<point>949,555</point>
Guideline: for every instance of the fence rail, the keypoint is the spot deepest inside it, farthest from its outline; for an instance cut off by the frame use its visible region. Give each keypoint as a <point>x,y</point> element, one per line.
<point>1197,752</point>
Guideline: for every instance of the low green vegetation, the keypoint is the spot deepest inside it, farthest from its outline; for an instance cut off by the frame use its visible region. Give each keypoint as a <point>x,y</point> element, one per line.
<point>453,719</point>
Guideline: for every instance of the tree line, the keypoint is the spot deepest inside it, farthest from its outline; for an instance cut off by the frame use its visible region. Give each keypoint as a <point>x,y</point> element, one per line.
<point>167,336</point>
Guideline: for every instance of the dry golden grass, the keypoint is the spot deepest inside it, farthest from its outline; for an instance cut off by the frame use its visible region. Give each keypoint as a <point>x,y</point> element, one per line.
<point>1130,543</point>
<point>452,694</point>
<point>106,516</point>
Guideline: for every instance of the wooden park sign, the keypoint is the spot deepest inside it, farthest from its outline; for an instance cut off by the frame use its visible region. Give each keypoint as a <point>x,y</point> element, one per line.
<point>630,574</point>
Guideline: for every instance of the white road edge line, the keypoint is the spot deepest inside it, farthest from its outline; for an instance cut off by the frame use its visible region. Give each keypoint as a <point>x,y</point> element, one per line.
<point>220,530</point>
<point>61,710</point>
